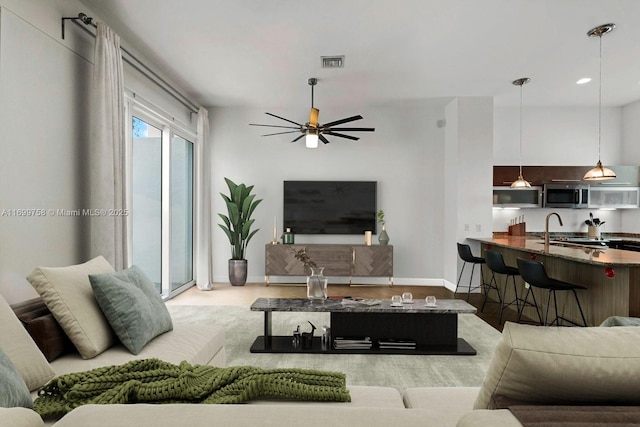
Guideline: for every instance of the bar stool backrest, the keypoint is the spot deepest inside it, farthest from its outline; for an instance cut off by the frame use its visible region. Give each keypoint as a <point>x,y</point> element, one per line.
<point>533,273</point>
<point>465,253</point>
<point>495,262</point>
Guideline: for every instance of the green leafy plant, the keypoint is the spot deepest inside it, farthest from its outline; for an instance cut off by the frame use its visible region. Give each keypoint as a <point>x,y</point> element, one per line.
<point>237,224</point>
<point>380,216</point>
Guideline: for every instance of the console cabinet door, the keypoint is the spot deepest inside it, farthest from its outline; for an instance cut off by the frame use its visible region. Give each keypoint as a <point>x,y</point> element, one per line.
<point>372,261</point>
<point>336,259</point>
<point>280,260</point>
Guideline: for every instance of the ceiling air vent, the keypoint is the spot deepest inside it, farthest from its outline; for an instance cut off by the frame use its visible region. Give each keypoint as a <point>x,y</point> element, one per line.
<point>333,61</point>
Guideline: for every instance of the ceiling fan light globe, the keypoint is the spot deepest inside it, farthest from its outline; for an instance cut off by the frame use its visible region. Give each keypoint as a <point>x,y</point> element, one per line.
<point>311,140</point>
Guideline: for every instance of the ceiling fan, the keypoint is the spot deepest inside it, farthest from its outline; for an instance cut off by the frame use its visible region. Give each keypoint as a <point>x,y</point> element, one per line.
<point>313,130</point>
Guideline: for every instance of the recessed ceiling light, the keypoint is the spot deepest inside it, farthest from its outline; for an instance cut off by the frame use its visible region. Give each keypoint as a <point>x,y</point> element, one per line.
<point>583,80</point>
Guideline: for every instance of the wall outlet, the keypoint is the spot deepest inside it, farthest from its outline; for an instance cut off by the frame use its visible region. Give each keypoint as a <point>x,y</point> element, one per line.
<point>478,227</point>
<point>466,227</point>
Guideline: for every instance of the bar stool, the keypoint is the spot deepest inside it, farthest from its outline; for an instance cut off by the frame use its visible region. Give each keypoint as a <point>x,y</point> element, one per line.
<point>534,273</point>
<point>464,251</point>
<point>495,262</point>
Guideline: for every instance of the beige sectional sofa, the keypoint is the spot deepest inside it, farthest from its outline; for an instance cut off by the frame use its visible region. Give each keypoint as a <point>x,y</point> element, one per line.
<point>595,368</point>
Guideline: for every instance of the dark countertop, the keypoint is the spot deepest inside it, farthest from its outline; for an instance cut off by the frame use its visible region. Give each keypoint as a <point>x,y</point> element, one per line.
<point>590,255</point>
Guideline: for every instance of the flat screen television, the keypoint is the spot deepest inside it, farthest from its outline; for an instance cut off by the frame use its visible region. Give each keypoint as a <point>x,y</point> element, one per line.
<point>330,207</point>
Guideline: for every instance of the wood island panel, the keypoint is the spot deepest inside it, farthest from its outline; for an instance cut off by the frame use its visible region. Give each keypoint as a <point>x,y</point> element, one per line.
<point>605,296</point>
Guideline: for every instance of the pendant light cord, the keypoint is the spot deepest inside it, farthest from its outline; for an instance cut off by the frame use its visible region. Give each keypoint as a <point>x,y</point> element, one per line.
<point>600,101</point>
<point>521,129</point>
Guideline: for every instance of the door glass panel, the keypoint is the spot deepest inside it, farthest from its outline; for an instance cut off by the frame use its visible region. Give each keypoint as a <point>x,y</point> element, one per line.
<point>147,200</point>
<point>181,212</point>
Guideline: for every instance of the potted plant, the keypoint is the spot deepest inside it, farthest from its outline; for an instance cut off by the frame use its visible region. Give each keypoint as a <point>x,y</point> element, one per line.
<point>237,226</point>
<point>383,237</point>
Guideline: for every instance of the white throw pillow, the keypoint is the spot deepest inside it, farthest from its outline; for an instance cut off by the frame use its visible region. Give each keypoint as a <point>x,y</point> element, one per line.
<point>21,350</point>
<point>68,295</point>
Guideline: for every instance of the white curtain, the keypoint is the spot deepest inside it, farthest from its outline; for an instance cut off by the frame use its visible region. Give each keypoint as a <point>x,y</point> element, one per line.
<point>107,199</point>
<point>204,217</point>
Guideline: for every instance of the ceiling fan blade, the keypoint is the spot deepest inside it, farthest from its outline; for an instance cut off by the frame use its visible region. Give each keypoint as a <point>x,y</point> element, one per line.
<point>323,139</point>
<point>275,126</point>
<point>313,117</point>
<point>282,118</point>
<point>341,135</point>
<point>341,121</point>
<point>354,129</point>
<point>298,138</point>
<point>280,133</point>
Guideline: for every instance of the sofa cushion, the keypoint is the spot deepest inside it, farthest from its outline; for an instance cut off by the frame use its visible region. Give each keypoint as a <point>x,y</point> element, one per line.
<point>20,417</point>
<point>293,415</point>
<point>21,350</point>
<point>486,417</point>
<point>13,390</point>
<point>43,328</point>
<point>68,294</point>
<point>564,365</point>
<point>133,306</point>
<point>197,344</point>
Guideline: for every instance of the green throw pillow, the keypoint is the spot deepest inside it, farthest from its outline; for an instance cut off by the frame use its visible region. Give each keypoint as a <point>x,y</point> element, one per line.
<point>132,305</point>
<point>13,390</point>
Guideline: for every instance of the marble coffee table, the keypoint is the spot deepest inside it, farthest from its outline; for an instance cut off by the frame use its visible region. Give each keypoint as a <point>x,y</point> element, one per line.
<point>433,329</point>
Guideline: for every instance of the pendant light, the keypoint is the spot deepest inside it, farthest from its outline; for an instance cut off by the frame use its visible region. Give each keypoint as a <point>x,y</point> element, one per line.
<point>521,182</point>
<point>600,173</point>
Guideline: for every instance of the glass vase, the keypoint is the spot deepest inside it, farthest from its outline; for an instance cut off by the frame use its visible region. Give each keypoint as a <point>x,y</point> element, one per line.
<point>317,284</point>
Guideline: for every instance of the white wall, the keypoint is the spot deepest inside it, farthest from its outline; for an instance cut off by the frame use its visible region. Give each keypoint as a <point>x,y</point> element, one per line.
<point>404,155</point>
<point>469,166</point>
<point>44,89</point>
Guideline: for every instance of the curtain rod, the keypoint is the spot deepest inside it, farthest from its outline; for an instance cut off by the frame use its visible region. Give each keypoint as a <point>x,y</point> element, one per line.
<point>131,59</point>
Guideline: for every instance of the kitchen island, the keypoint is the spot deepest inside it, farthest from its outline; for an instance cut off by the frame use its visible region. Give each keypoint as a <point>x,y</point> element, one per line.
<point>611,276</point>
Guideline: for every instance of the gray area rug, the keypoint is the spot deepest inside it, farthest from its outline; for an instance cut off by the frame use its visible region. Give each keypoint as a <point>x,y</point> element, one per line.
<point>242,326</point>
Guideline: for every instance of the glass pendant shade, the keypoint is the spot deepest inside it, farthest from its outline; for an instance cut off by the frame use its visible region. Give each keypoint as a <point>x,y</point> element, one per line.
<point>520,183</point>
<point>600,173</point>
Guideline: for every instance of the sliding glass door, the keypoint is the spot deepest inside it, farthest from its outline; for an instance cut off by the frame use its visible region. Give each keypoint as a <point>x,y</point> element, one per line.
<point>162,214</point>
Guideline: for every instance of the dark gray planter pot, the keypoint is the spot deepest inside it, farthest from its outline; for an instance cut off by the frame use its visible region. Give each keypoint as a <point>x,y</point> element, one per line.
<point>238,272</point>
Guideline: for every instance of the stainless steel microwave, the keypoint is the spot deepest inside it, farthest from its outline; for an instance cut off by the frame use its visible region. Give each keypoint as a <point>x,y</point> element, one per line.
<point>566,196</point>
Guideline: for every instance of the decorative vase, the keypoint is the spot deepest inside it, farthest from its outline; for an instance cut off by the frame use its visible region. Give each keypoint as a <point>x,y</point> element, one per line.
<point>317,284</point>
<point>383,237</point>
<point>238,272</point>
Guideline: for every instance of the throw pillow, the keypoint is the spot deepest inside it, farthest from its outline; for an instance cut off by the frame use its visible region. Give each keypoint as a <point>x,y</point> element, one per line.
<point>67,292</point>
<point>13,390</point>
<point>43,328</point>
<point>22,351</point>
<point>132,305</point>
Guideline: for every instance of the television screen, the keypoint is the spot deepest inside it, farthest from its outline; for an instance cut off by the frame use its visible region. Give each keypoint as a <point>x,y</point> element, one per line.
<point>330,207</point>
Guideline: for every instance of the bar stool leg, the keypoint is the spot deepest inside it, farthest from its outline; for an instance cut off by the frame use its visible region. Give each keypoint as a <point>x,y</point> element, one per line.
<point>584,321</point>
<point>535,304</point>
<point>488,286</point>
<point>464,263</point>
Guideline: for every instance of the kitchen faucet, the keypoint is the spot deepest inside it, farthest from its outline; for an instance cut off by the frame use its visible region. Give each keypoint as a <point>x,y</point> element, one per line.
<point>546,229</point>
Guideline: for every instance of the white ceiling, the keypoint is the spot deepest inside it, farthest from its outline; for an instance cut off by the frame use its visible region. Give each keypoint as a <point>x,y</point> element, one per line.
<point>260,53</point>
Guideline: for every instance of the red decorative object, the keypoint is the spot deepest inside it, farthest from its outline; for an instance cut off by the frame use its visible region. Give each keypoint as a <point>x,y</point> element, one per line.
<point>610,272</point>
<point>489,246</point>
<point>533,256</point>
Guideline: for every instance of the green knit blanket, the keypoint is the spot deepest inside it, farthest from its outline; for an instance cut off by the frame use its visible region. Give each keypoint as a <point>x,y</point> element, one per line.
<point>156,381</point>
